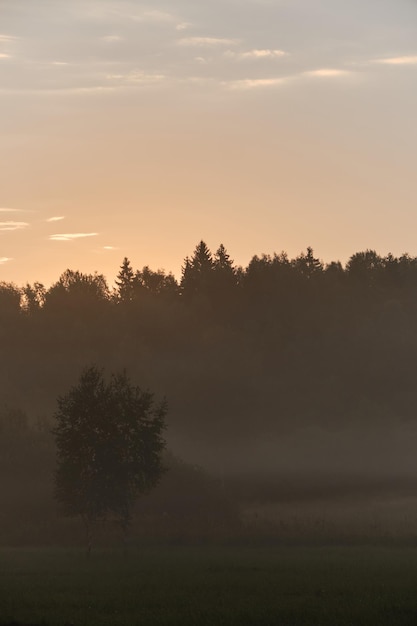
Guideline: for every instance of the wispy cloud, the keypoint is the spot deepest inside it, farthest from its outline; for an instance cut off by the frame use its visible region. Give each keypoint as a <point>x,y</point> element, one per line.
<point>256,54</point>
<point>278,81</point>
<point>58,218</point>
<point>327,73</point>
<point>9,210</point>
<point>5,259</point>
<point>5,56</point>
<point>10,225</point>
<point>405,60</point>
<point>71,236</point>
<point>207,41</point>
<point>105,249</point>
<point>256,83</point>
<point>7,38</point>
<point>136,78</point>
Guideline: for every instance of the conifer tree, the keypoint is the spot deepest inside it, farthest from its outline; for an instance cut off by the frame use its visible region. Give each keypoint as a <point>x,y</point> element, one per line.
<point>197,271</point>
<point>225,275</point>
<point>125,282</point>
<point>222,260</point>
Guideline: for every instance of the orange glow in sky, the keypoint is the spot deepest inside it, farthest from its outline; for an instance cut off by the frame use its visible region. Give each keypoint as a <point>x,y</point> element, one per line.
<point>137,129</point>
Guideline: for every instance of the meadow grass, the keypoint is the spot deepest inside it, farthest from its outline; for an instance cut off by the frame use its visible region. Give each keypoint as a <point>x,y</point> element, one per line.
<point>181,586</point>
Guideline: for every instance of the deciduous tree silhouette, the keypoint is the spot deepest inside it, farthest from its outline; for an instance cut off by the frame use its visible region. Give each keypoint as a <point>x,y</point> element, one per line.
<point>155,283</point>
<point>308,265</point>
<point>33,297</point>
<point>76,292</point>
<point>10,296</point>
<point>109,443</point>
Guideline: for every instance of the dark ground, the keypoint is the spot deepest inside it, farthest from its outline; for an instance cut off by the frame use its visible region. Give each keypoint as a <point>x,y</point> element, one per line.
<point>265,586</point>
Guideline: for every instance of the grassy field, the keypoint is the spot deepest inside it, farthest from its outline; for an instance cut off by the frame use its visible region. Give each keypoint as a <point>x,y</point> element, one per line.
<point>182,586</point>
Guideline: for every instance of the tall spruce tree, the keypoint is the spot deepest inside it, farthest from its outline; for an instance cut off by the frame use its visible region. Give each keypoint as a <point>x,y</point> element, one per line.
<point>197,272</point>
<point>225,276</point>
<point>125,282</point>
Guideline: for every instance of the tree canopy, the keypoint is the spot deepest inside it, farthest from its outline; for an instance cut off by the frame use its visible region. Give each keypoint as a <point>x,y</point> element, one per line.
<point>109,436</point>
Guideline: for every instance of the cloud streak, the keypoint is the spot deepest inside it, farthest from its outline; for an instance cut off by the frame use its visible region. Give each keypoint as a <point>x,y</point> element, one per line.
<point>71,236</point>
<point>327,73</point>
<point>404,60</point>
<point>278,81</point>
<point>207,42</point>
<point>58,218</point>
<point>136,78</point>
<point>256,83</point>
<point>10,225</point>
<point>256,54</point>
<point>5,259</point>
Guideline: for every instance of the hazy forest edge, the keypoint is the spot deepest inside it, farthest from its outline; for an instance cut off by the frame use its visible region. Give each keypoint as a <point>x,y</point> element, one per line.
<point>288,367</point>
<point>237,351</point>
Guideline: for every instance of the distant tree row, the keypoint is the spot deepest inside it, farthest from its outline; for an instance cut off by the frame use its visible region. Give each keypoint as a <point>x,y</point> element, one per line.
<point>207,275</point>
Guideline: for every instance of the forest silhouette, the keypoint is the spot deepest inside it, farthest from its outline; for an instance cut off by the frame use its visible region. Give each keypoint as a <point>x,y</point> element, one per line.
<point>285,366</point>
<point>235,350</point>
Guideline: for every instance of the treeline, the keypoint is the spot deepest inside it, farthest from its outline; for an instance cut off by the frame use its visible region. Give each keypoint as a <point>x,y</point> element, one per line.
<point>239,352</point>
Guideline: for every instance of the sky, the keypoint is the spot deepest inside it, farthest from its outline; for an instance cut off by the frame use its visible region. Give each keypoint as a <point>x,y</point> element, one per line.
<point>137,129</point>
